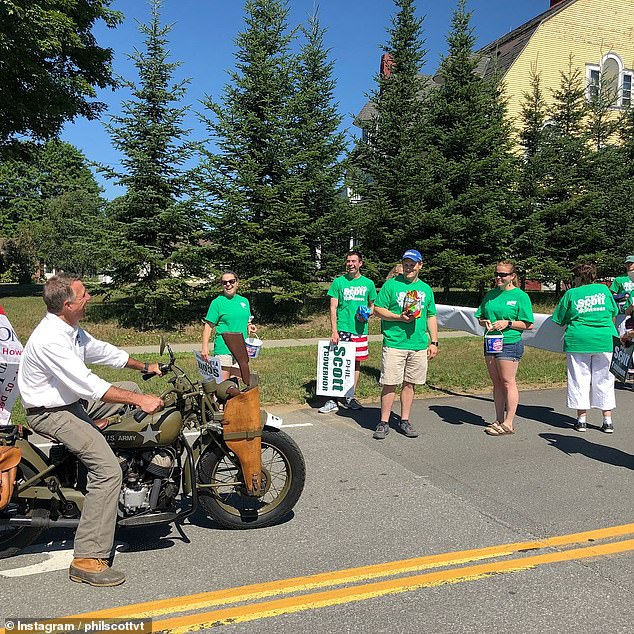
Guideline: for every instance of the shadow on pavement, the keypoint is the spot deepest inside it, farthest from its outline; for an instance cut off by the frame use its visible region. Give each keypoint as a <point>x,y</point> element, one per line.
<point>546,415</point>
<point>457,416</point>
<point>574,444</point>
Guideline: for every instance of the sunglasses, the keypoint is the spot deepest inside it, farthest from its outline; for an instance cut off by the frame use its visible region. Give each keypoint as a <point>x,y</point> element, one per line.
<point>501,274</point>
<point>230,282</point>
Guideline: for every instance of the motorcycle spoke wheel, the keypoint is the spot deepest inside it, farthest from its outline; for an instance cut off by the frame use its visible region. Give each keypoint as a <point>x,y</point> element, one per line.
<point>283,475</point>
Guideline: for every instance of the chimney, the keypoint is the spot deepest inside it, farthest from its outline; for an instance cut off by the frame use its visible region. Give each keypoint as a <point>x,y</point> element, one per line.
<point>386,65</point>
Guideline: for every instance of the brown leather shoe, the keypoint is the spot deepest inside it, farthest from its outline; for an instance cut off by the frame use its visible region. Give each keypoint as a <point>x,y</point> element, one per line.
<point>95,572</point>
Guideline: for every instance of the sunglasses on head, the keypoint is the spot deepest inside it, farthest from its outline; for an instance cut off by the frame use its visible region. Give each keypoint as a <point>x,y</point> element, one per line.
<point>233,281</point>
<point>501,274</point>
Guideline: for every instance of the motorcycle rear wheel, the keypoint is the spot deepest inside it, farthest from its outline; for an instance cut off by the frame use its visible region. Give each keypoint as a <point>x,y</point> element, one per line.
<point>283,472</point>
<point>14,539</point>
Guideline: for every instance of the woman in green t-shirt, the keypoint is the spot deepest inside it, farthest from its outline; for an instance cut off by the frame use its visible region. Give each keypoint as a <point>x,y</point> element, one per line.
<point>506,309</point>
<point>587,311</point>
<point>228,312</point>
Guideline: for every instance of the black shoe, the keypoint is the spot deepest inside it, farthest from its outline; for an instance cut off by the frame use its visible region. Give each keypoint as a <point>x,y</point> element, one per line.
<point>382,430</point>
<point>406,428</point>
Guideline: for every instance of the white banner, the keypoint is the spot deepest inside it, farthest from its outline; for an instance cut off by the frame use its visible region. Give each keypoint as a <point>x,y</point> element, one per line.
<point>335,368</point>
<point>545,334</point>
<point>210,370</point>
<point>10,353</point>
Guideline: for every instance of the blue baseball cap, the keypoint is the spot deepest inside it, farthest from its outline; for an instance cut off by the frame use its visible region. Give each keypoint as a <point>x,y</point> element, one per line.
<point>412,254</point>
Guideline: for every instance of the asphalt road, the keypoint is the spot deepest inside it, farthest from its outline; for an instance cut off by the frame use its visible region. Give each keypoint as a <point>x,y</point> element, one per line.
<point>368,503</point>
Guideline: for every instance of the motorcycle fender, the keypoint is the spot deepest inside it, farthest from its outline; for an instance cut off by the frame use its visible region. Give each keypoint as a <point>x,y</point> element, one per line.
<point>269,420</point>
<point>32,455</point>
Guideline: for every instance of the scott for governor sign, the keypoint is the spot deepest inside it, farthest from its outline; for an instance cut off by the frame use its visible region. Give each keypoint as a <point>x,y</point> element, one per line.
<point>335,368</point>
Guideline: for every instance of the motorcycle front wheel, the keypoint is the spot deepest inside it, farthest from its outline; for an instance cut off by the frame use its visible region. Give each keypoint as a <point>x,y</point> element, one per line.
<point>14,538</point>
<point>283,475</point>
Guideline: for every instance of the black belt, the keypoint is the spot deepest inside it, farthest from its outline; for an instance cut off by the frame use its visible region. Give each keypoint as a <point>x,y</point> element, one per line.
<point>32,411</point>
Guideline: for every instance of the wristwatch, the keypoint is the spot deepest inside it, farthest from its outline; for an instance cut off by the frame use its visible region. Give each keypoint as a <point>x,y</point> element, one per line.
<point>509,324</point>
<point>146,367</point>
<point>433,343</point>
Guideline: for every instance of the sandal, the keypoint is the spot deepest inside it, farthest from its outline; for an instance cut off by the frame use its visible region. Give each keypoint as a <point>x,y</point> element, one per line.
<point>498,429</point>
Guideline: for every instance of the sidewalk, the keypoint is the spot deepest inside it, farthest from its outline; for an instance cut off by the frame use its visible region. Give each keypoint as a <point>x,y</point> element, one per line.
<point>278,343</point>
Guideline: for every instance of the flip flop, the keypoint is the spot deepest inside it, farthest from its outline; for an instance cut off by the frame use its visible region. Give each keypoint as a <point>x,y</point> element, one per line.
<point>498,429</point>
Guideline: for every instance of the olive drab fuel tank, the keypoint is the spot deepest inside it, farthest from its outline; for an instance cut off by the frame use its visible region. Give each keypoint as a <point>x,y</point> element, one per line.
<point>153,431</point>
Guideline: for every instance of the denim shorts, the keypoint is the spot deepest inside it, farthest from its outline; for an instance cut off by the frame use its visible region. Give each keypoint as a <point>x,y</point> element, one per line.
<point>510,352</point>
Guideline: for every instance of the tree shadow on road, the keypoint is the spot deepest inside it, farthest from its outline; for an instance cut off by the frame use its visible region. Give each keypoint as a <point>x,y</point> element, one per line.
<point>574,444</point>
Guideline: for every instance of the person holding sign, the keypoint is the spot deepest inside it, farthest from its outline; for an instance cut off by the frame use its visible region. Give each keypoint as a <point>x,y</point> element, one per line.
<point>408,320</point>
<point>351,303</point>
<point>507,311</point>
<point>624,284</point>
<point>587,311</point>
<point>229,312</point>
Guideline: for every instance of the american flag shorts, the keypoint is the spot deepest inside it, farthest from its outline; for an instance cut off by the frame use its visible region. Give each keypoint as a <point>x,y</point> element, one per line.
<point>360,340</point>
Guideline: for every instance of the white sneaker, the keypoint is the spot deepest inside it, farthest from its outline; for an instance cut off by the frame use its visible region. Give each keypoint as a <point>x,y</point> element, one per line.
<point>329,407</point>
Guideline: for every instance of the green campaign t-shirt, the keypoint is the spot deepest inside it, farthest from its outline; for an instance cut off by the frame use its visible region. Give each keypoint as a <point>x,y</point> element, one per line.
<point>352,294</point>
<point>228,314</point>
<point>588,312</point>
<point>623,284</point>
<point>513,304</point>
<point>399,334</point>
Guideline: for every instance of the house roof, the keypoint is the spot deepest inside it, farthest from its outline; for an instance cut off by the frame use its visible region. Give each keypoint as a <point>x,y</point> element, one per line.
<point>498,56</point>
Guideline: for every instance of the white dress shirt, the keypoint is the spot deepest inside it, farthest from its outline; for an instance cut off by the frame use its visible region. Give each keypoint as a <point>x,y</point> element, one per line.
<point>53,368</point>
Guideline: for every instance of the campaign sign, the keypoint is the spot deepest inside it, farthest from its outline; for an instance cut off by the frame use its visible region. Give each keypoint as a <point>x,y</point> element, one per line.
<point>10,353</point>
<point>621,360</point>
<point>335,368</point>
<point>210,370</point>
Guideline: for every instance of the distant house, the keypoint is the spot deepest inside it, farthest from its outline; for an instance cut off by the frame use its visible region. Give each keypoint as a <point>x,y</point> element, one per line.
<point>599,34</point>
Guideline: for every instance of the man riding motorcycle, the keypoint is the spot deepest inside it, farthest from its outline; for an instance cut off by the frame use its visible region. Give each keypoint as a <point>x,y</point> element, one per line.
<point>62,399</point>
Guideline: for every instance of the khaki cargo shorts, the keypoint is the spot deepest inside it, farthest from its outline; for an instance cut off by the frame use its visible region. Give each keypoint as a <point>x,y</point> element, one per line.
<point>403,365</point>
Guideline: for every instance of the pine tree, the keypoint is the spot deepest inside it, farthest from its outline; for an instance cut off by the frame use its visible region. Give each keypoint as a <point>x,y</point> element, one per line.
<point>470,156</point>
<point>255,195</point>
<point>155,226</point>
<point>387,164</point>
<point>321,146</point>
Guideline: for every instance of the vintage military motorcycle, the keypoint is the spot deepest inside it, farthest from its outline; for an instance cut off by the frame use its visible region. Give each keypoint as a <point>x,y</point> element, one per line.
<point>241,468</point>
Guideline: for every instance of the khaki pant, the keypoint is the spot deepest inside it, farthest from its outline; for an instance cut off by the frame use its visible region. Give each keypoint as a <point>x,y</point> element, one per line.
<point>73,427</point>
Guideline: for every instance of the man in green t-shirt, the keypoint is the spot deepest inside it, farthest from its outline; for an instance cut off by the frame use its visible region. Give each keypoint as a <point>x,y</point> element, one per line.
<point>625,284</point>
<point>410,338</point>
<point>351,303</point>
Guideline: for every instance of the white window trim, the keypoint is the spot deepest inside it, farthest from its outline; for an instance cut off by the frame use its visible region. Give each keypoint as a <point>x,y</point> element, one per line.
<point>622,72</point>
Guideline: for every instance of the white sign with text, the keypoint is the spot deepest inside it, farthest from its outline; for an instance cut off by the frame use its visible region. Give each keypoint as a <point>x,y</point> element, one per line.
<point>335,368</point>
<point>210,370</point>
<point>10,353</point>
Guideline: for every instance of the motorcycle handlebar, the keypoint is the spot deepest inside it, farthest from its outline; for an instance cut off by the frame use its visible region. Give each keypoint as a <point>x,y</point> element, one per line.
<point>164,370</point>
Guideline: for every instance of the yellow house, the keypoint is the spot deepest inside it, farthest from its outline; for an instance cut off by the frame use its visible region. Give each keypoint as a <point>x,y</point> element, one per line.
<point>599,34</point>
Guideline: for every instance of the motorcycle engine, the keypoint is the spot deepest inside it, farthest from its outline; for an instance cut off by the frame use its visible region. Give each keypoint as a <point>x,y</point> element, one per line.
<point>150,481</point>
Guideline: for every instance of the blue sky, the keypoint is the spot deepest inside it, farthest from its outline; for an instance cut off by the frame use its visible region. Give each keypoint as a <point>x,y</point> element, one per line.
<point>203,39</point>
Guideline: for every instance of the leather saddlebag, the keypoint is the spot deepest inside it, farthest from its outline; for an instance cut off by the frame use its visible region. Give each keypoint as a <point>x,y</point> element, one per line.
<point>9,460</point>
<point>242,431</point>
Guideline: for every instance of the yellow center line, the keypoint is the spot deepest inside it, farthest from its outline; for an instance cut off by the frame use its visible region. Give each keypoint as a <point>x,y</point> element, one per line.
<point>239,614</point>
<point>252,592</point>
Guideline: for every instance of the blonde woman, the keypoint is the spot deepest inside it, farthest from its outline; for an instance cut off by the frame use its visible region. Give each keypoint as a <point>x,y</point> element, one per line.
<point>506,309</point>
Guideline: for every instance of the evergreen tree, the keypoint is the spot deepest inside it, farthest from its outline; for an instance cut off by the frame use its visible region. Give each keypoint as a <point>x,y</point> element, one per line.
<point>473,202</point>
<point>156,230</point>
<point>387,164</point>
<point>569,230</point>
<point>320,148</point>
<point>256,196</point>
<point>530,241</point>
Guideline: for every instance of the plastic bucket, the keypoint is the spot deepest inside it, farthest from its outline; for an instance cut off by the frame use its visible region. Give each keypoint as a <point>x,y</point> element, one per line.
<point>493,343</point>
<point>254,345</point>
